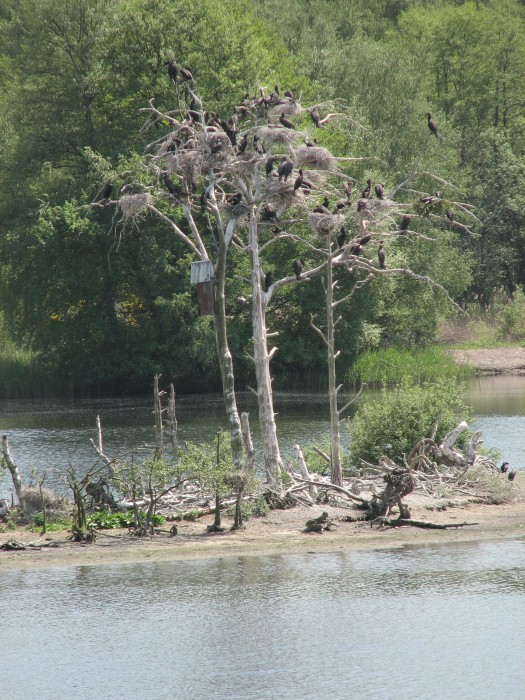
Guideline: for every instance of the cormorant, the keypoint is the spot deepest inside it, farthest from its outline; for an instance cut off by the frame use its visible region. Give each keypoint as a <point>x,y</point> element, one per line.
<point>268,212</point>
<point>285,169</point>
<point>172,188</point>
<point>268,281</point>
<point>314,114</point>
<point>268,166</point>
<point>432,125</point>
<point>297,268</point>
<point>504,468</point>
<point>365,194</point>
<point>299,181</point>
<point>243,144</point>
<point>347,188</point>
<point>379,190</point>
<point>431,198</point>
<point>259,148</point>
<point>341,204</point>
<point>106,192</point>
<point>230,133</point>
<point>173,70</point>
<point>365,239</point>
<point>289,93</point>
<point>362,204</point>
<point>405,223</point>
<point>286,122</point>
<point>185,74</point>
<point>341,237</point>
<point>356,249</point>
<point>234,199</point>
<point>511,475</point>
<point>381,255</point>
<point>323,208</point>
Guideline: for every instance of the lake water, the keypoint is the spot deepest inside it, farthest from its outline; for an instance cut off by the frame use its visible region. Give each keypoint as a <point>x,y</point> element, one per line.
<point>427,623</point>
<point>47,435</point>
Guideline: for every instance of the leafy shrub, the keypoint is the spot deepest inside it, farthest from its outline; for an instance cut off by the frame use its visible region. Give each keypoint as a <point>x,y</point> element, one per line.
<point>256,508</point>
<point>513,318</point>
<point>394,422</point>
<point>104,520</point>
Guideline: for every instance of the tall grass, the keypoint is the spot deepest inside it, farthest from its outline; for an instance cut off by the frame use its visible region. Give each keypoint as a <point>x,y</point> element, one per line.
<point>21,374</point>
<point>392,365</point>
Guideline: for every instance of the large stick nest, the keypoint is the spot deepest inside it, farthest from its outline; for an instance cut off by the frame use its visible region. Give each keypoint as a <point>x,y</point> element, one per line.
<point>281,194</point>
<point>271,135</point>
<point>324,224</point>
<point>315,157</point>
<point>132,205</point>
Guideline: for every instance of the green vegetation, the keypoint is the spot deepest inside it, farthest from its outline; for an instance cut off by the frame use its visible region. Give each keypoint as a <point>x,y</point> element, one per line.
<point>391,366</point>
<point>91,307</point>
<point>392,423</point>
<point>105,520</point>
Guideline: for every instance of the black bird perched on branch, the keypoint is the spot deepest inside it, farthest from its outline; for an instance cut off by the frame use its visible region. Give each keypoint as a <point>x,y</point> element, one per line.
<point>382,256</point>
<point>172,187</point>
<point>430,199</point>
<point>268,166</point>
<point>511,475</point>
<point>341,237</point>
<point>230,133</point>
<point>242,146</point>
<point>259,148</point>
<point>380,191</point>
<point>314,114</point>
<point>347,188</point>
<point>185,74</point>
<point>268,281</point>
<point>268,212</point>
<point>433,126</point>
<point>405,223</point>
<point>173,70</point>
<point>324,207</point>
<point>365,194</point>
<point>289,94</point>
<point>106,192</point>
<point>234,199</point>
<point>362,204</point>
<point>286,122</point>
<point>297,268</point>
<point>504,468</point>
<point>285,169</point>
<point>356,249</point>
<point>365,239</point>
<point>299,181</point>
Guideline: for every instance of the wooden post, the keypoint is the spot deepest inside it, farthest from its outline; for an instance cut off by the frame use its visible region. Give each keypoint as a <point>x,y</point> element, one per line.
<point>202,277</point>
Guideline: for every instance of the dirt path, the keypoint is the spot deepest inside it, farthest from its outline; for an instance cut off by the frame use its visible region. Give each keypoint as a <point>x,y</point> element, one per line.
<point>497,360</point>
<point>279,532</point>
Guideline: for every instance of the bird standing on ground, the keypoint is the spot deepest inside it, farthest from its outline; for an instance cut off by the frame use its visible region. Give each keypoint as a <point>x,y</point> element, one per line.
<point>314,114</point>
<point>285,169</point>
<point>504,468</point>
<point>365,194</point>
<point>299,181</point>
<point>379,190</point>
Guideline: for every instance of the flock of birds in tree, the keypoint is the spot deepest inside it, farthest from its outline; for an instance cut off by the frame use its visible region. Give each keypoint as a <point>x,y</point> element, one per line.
<point>280,166</point>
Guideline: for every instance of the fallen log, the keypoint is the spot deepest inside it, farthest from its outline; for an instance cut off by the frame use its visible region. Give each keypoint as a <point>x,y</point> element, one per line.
<point>397,522</point>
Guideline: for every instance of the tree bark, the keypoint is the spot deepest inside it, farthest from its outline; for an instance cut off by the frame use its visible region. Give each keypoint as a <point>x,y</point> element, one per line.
<point>336,474</point>
<point>261,356</point>
<point>15,474</point>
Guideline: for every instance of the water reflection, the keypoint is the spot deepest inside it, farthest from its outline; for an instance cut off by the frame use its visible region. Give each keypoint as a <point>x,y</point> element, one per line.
<point>439,622</point>
<point>49,434</point>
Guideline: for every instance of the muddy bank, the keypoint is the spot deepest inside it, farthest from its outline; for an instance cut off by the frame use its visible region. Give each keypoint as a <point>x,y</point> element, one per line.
<point>280,532</point>
<point>496,361</point>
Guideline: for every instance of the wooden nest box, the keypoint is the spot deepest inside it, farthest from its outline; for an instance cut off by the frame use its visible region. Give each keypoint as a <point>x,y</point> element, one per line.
<point>202,276</point>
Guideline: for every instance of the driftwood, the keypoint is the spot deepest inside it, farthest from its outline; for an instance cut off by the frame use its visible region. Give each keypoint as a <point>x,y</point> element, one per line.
<point>319,524</point>
<point>398,522</point>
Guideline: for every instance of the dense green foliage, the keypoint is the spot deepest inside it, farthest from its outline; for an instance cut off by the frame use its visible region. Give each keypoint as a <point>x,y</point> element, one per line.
<point>88,307</point>
<point>392,423</point>
<point>105,520</point>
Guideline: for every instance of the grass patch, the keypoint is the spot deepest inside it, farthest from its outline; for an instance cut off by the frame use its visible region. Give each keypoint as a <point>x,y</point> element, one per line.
<point>392,366</point>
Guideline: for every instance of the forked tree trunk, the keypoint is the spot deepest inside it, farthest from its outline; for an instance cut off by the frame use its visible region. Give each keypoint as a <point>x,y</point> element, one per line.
<point>261,356</point>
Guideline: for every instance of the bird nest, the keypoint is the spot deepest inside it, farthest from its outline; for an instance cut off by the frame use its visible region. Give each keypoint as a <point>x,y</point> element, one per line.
<point>290,108</point>
<point>271,135</point>
<point>324,224</point>
<point>189,164</point>
<point>132,205</point>
<point>282,195</point>
<point>315,157</point>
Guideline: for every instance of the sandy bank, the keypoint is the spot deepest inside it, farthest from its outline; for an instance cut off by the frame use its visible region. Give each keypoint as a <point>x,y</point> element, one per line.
<point>497,360</point>
<point>280,532</point>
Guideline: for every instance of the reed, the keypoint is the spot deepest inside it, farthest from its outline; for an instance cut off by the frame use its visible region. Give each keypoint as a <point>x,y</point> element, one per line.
<point>392,365</point>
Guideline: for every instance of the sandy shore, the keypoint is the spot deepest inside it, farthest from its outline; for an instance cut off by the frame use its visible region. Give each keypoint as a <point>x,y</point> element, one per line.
<point>280,532</point>
<point>495,361</point>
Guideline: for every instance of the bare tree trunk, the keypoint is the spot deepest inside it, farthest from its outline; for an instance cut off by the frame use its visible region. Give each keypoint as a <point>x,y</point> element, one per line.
<point>158,410</point>
<point>336,474</point>
<point>225,357</point>
<point>172,419</point>
<point>15,474</point>
<point>261,356</point>
<point>248,444</point>
<point>304,470</point>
